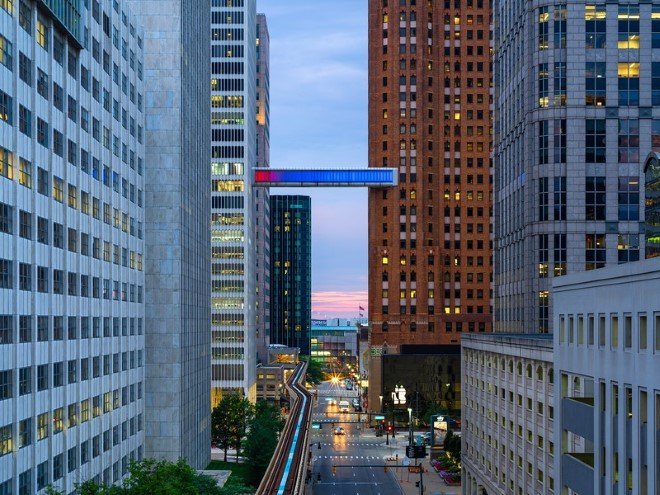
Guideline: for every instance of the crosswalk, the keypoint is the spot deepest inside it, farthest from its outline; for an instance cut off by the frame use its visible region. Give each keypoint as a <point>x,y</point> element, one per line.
<point>353,457</point>
<point>353,444</point>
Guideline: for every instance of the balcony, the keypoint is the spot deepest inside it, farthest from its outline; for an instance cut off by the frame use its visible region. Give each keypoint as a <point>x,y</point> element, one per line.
<point>578,471</point>
<point>578,416</point>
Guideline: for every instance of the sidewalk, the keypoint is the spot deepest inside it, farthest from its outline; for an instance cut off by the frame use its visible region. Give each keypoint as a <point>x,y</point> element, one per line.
<point>433,483</point>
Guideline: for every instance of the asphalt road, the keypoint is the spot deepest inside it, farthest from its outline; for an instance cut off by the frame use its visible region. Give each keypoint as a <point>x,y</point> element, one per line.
<point>353,454</point>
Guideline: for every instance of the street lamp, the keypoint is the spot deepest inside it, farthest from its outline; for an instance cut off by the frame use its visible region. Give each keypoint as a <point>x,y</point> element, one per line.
<point>410,439</point>
<point>380,397</point>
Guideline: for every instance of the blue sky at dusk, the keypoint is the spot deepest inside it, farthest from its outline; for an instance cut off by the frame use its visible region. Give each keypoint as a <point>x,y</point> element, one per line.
<point>318,95</point>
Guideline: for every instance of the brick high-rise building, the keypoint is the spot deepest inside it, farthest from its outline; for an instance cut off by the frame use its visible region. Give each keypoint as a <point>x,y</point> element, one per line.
<point>429,115</point>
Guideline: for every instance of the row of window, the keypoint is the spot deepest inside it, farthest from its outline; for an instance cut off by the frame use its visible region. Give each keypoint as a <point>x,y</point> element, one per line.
<point>75,457</point>
<point>30,379</point>
<point>50,329</point>
<point>595,27</point>
<point>595,84</point>
<point>59,282</point>
<point>67,239</point>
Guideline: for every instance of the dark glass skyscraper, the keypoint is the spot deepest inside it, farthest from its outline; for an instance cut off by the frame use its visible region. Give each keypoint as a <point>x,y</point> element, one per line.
<point>291,271</point>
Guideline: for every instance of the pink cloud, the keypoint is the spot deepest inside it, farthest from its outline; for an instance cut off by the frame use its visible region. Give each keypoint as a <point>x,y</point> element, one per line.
<point>335,304</point>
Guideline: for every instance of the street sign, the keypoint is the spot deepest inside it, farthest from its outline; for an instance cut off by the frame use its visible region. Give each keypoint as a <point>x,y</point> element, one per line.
<point>416,451</point>
<point>379,418</point>
<point>316,426</point>
<point>415,469</point>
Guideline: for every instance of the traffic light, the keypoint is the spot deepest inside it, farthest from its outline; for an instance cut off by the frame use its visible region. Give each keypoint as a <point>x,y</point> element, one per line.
<point>334,470</point>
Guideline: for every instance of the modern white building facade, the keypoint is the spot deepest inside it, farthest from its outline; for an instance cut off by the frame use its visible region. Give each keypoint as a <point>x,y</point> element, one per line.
<point>508,414</point>
<point>72,243</point>
<point>577,110</point>
<point>234,156</point>
<point>607,364</point>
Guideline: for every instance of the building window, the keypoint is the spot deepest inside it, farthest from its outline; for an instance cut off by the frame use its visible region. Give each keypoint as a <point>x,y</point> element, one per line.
<point>543,78</point>
<point>543,299</point>
<point>543,143</point>
<point>595,26</point>
<point>560,26</point>
<point>6,52</point>
<point>25,17</point>
<point>628,73</point>
<point>543,199</point>
<point>25,121</point>
<point>628,247</point>
<point>628,198</point>
<point>628,27</point>
<point>595,84</point>
<point>594,202</point>
<point>25,68</point>
<point>655,80</point>
<point>560,141</point>
<point>6,108</point>
<point>6,440</point>
<point>595,140</point>
<point>25,173</point>
<point>543,255</point>
<point>543,19</point>
<point>595,251</point>
<point>655,25</point>
<point>628,141</point>
<point>559,198</point>
<point>560,83</point>
<point>559,267</point>
<point>42,34</point>
<point>6,164</point>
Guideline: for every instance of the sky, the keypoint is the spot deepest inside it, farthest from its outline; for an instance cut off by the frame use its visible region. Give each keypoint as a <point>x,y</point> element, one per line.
<point>318,101</point>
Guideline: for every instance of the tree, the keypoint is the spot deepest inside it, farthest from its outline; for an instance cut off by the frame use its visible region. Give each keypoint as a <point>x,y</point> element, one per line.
<point>452,445</point>
<point>314,371</point>
<point>154,477</point>
<point>262,439</point>
<point>229,422</point>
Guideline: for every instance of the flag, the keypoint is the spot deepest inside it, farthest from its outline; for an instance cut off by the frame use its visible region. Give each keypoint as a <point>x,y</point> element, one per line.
<point>361,308</point>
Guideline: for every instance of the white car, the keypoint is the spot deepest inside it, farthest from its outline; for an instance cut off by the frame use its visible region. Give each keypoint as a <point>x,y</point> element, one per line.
<point>339,431</point>
<point>332,402</point>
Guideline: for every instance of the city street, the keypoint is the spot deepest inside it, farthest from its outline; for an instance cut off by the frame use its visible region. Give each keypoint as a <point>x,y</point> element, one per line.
<point>352,452</point>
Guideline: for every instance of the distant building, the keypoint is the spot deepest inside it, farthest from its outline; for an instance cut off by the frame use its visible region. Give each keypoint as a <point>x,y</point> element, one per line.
<point>233,224</point>
<point>607,364</point>
<point>270,383</point>
<point>507,414</point>
<point>430,238</point>
<point>291,271</point>
<point>333,345</point>
<point>262,194</point>
<point>419,377</point>
<point>652,202</point>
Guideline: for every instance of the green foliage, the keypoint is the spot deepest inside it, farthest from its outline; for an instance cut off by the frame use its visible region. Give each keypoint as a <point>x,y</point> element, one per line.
<point>262,439</point>
<point>314,370</point>
<point>229,422</point>
<point>432,410</point>
<point>152,477</point>
<point>452,445</point>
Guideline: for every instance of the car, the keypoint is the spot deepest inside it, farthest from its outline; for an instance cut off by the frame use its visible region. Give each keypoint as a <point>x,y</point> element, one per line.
<point>339,431</point>
<point>332,402</point>
<point>343,406</point>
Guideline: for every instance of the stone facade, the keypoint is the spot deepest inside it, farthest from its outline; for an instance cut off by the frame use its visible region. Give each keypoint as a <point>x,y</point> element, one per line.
<point>575,116</point>
<point>178,323</point>
<point>607,362</point>
<point>508,414</point>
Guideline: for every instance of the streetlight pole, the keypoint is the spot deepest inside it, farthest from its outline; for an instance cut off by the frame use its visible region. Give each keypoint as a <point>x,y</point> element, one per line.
<point>410,434</point>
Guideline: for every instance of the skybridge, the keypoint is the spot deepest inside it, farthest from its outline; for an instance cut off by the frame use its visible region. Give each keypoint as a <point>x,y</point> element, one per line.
<point>363,177</point>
